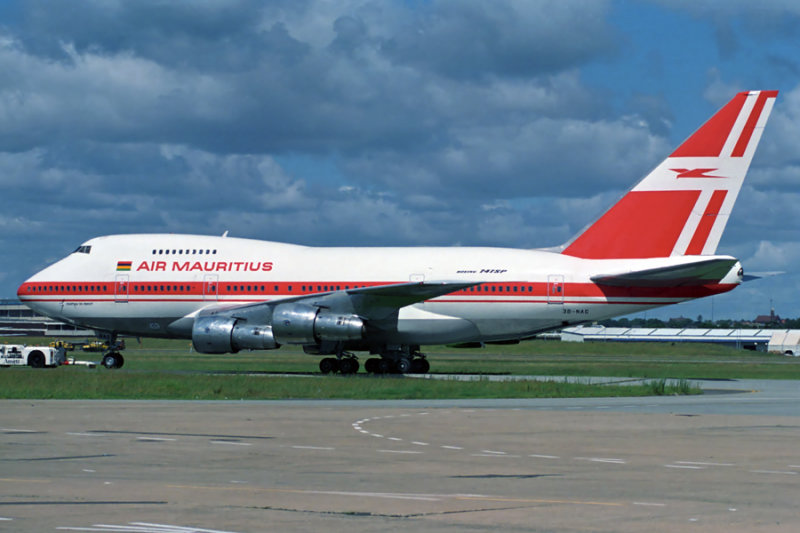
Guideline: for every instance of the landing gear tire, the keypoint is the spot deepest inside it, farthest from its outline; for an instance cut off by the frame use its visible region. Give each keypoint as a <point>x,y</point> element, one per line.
<point>371,366</point>
<point>403,365</point>
<point>348,366</point>
<point>329,365</point>
<point>113,360</point>
<point>385,366</point>
<point>420,366</point>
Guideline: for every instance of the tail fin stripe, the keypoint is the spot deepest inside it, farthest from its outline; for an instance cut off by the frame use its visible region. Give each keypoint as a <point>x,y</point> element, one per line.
<point>752,120</point>
<point>706,223</point>
<point>709,140</point>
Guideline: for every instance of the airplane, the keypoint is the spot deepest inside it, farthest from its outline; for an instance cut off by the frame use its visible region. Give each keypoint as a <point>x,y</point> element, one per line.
<point>656,246</point>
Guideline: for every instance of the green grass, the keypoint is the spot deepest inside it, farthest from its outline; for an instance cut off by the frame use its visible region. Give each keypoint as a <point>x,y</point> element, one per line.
<point>170,370</point>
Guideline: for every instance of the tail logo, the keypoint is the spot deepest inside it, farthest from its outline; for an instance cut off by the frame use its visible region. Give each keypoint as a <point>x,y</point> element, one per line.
<point>694,173</point>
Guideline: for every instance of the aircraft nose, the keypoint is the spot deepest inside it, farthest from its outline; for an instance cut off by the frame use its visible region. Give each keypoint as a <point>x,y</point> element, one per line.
<point>25,290</point>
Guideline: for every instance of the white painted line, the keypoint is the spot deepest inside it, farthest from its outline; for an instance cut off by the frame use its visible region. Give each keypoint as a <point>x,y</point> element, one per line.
<point>493,452</point>
<point>232,443</point>
<point>400,451</point>
<point>540,456</point>
<point>703,463</point>
<point>3,519</point>
<point>602,460</point>
<point>15,430</point>
<point>313,448</point>
<point>156,439</point>
<point>376,435</point>
<point>491,455</point>
<point>452,447</point>
<point>89,470</point>
<point>396,439</point>
<point>418,443</point>
<point>83,434</point>
<point>363,431</point>
<point>688,467</point>
<point>390,495</point>
<point>650,504</point>
<point>784,472</point>
<point>794,466</point>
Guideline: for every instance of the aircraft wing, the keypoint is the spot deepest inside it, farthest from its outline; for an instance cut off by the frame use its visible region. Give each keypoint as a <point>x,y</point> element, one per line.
<point>696,272</point>
<point>371,303</point>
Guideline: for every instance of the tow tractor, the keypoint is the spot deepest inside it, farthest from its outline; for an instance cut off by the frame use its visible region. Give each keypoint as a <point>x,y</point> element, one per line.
<point>33,356</point>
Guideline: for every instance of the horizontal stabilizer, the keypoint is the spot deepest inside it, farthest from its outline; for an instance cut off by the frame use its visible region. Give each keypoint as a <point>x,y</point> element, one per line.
<point>697,272</point>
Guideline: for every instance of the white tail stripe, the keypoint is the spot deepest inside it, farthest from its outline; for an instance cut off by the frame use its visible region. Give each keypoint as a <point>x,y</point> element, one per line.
<point>691,224</point>
<point>738,126</point>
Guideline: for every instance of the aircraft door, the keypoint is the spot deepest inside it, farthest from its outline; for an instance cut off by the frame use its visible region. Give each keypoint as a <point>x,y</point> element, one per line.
<point>555,289</point>
<point>210,289</point>
<point>121,288</point>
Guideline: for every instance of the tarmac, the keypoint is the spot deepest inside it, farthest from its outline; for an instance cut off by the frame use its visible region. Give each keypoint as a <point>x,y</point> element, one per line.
<point>725,461</point>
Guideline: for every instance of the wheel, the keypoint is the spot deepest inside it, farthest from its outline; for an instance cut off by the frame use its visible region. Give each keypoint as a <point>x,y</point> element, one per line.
<point>403,365</point>
<point>385,366</point>
<point>36,360</point>
<point>328,365</point>
<point>424,366</point>
<point>416,366</point>
<point>371,365</point>
<point>348,366</point>
<point>113,360</point>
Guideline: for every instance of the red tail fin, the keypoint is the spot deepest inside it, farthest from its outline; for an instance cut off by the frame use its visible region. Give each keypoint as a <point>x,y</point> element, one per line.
<point>682,206</point>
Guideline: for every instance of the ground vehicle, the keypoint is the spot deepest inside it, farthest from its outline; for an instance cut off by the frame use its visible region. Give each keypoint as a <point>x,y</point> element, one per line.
<point>33,356</point>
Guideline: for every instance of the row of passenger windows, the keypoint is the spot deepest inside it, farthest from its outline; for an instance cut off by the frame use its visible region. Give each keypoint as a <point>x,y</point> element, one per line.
<point>256,288</point>
<point>186,252</point>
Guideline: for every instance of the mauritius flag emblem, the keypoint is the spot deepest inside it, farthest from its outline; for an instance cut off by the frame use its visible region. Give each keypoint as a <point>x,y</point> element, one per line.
<point>124,266</point>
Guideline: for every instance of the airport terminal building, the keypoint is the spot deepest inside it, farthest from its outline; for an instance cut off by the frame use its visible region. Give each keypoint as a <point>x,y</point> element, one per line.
<point>17,319</point>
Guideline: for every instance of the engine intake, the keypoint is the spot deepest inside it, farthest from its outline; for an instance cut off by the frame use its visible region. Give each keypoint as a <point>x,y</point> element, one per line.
<point>305,324</point>
<point>215,334</point>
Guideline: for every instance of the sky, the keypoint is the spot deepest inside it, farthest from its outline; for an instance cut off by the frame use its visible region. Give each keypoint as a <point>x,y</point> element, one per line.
<point>384,123</point>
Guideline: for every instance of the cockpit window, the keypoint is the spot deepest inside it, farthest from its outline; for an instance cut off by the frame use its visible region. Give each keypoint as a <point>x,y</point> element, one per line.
<point>83,250</point>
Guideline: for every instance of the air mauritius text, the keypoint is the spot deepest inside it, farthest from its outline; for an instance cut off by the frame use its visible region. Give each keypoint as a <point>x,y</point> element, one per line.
<point>205,266</point>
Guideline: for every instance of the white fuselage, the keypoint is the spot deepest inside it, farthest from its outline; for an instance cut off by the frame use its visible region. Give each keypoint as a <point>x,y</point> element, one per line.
<point>145,284</point>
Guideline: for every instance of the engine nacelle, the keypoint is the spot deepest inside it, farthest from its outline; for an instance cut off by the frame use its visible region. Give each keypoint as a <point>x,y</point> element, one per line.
<point>217,334</point>
<point>305,324</point>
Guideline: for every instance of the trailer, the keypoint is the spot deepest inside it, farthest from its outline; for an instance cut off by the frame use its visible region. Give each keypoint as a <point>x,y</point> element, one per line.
<point>33,356</point>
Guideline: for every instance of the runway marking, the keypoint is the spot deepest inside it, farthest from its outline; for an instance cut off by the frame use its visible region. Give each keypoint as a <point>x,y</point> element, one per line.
<point>701,463</point>
<point>230,442</point>
<point>650,504</point>
<point>525,500</point>
<point>783,472</point>
<point>377,435</point>
<point>143,527</point>
<point>411,496</point>
<point>14,430</point>
<point>396,439</point>
<point>401,451</point>
<point>602,460</point>
<point>541,456</point>
<point>687,467</point>
<point>452,447</point>
<point>74,434</point>
<point>156,439</point>
<point>491,455</point>
<point>313,448</point>
<point>418,443</point>
<point>493,452</point>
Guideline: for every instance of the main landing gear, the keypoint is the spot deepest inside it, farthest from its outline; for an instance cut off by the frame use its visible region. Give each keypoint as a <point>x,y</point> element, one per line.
<point>404,360</point>
<point>344,363</point>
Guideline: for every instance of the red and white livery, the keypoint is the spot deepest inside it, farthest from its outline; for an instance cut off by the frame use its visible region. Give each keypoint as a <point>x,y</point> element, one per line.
<point>654,247</point>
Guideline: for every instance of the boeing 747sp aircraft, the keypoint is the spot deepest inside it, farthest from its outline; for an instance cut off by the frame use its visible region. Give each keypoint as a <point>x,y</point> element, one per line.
<point>654,247</point>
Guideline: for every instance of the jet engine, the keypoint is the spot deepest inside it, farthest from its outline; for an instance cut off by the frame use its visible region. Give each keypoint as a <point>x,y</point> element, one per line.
<point>298,323</point>
<point>292,323</point>
<point>220,334</point>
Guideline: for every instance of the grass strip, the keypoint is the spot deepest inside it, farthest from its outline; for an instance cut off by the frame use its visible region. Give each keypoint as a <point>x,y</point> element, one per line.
<point>79,383</point>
